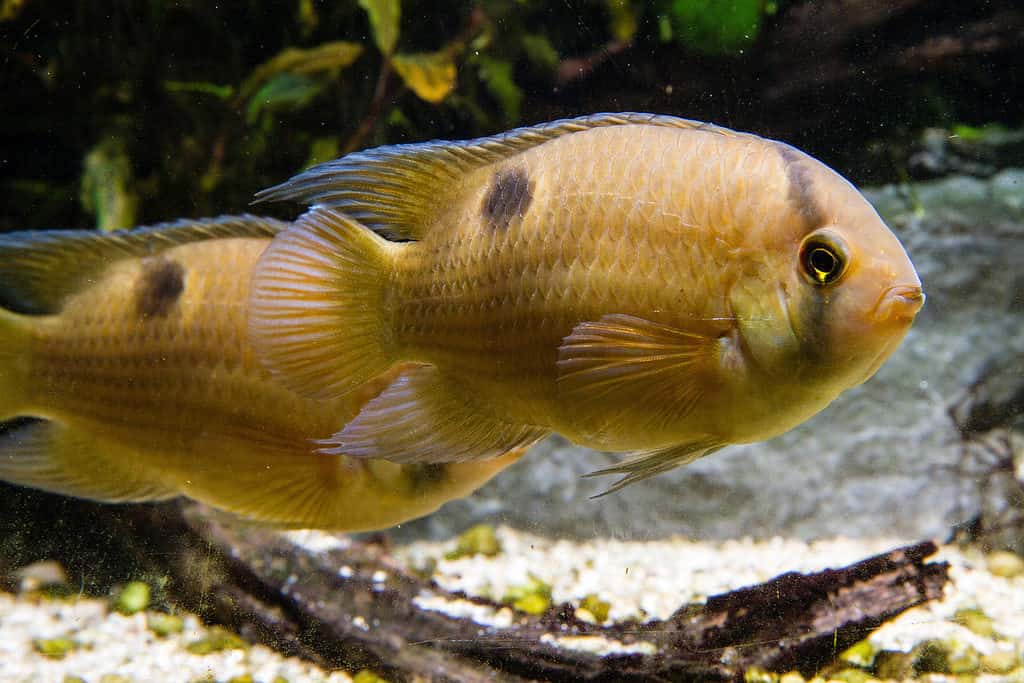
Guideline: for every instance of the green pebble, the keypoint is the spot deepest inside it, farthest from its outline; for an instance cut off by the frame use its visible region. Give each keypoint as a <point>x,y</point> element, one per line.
<point>851,675</point>
<point>792,677</point>
<point>1015,676</point>
<point>114,678</point>
<point>1005,564</point>
<point>73,679</point>
<point>533,597</point>
<point>367,676</point>
<point>534,586</point>
<point>477,540</point>
<point>164,625</point>
<point>242,678</point>
<point>758,675</point>
<point>861,654</point>
<point>279,679</point>
<point>217,640</point>
<point>976,621</point>
<point>931,656</point>
<point>55,648</point>
<point>532,604</point>
<point>894,665</point>
<point>426,568</point>
<point>134,598</point>
<point>946,657</point>
<point>597,607</point>
<point>1000,662</point>
<point>964,660</point>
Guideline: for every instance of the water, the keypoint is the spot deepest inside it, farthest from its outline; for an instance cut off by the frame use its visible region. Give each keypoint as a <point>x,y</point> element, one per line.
<point>122,114</point>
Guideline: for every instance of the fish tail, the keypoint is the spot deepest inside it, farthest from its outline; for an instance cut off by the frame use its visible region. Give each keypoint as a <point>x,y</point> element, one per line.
<point>319,306</point>
<point>15,343</point>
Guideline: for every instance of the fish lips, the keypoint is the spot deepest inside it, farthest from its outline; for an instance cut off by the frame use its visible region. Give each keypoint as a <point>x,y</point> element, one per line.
<point>899,304</point>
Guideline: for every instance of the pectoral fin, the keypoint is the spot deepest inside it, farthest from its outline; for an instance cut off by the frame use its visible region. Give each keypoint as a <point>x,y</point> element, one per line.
<point>622,360</point>
<point>421,418</point>
<point>644,464</point>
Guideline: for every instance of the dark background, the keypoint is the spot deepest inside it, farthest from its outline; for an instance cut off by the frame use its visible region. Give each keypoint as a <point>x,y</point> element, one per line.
<point>155,85</point>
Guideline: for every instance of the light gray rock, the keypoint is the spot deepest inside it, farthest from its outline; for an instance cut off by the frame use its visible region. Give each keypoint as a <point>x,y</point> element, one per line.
<point>884,459</point>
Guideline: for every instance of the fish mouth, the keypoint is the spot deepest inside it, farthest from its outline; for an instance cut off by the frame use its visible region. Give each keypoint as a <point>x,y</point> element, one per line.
<point>899,304</point>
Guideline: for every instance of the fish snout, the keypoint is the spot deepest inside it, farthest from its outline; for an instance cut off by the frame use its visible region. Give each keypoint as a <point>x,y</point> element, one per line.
<point>899,303</point>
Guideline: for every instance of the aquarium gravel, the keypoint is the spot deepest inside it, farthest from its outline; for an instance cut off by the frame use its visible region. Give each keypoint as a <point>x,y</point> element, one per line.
<point>982,612</point>
<point>651,579</point>
<point>106,644</point>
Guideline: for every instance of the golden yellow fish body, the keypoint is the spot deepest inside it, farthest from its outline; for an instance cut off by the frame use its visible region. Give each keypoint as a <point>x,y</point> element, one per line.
<point>634,282</point>
<point>151,390</point>
<point>637,228</point>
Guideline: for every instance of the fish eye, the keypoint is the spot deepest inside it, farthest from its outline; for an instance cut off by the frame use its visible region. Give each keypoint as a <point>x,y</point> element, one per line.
<point>823,259</point>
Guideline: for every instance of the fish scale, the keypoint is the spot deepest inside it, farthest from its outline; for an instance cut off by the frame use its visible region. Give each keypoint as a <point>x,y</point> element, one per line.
<point>532,252</point>
<point>141,356</point>
<point>638,283</point>
<point>146,402</point>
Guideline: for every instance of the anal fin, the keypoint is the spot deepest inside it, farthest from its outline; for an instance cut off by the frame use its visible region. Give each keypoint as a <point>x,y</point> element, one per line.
<point>57,458</point>
<point>421,418</point>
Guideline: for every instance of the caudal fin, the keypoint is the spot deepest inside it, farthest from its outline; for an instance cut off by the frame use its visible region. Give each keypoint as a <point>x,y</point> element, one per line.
<point>14,350</point>
<point>317,310</point>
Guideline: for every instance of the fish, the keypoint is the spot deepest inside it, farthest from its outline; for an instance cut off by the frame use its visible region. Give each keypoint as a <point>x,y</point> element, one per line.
<point>641,284</point>
<point>126,375</point>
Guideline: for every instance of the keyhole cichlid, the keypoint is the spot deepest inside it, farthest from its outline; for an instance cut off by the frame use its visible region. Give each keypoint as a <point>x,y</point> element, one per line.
<point>131,350</point>
<point>637,283</point>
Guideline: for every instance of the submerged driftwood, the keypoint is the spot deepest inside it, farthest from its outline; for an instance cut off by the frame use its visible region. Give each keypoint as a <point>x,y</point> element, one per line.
<point>355,607</point>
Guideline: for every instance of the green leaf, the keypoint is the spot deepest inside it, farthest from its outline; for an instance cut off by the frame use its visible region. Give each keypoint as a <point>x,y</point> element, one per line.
<point>623,20</point>
<point>321,150</point>
<point>431,75</point>
<point>286,91</point>
<point>384,16</point>
<point>9,9</point>
<point>540,52</point>
<point>717,27</point>
<point>308,17</point>
<point>220,91</point>
<point>497,78</point>
<point>106,186</point>
<point>332,56</point>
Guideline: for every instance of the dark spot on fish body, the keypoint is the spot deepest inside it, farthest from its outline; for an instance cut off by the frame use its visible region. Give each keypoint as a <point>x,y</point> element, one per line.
<point>421,478</point>
<point>509,197</point>
<point>159,288</point>
<point>801,186</point>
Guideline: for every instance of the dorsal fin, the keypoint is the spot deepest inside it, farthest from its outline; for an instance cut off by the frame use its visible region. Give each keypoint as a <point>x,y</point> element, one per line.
<point>39,269</point>
<point>394,190</point>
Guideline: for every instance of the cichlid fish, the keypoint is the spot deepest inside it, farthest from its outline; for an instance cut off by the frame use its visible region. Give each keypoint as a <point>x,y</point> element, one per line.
<point>637,283</point>
<point>132,349</point>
